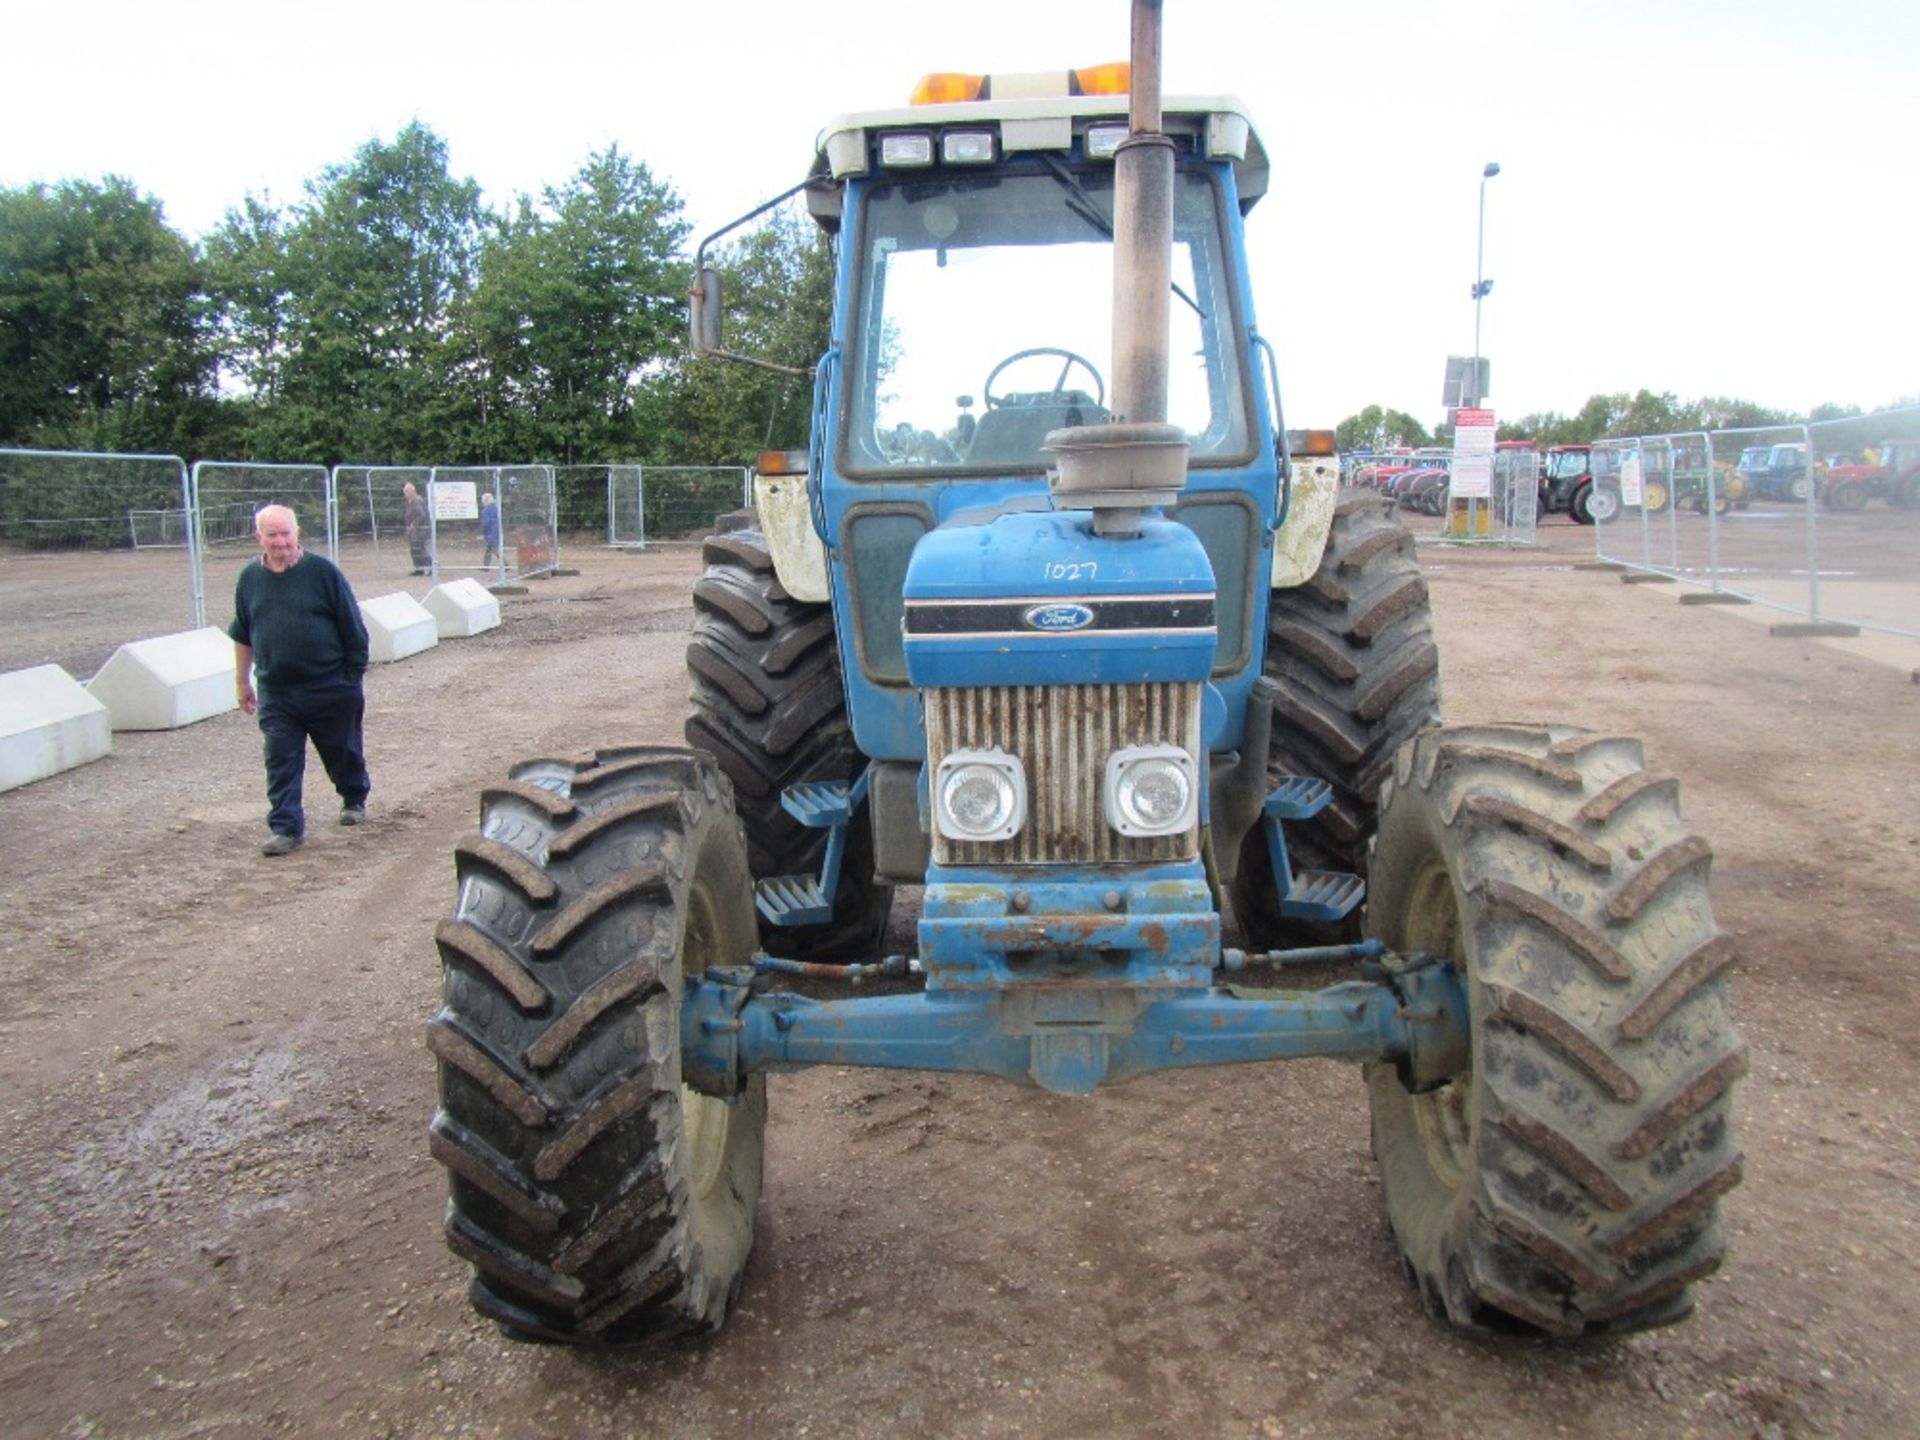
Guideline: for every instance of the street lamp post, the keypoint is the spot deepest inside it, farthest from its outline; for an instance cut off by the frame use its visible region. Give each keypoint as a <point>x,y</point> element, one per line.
<point>1481,285</point>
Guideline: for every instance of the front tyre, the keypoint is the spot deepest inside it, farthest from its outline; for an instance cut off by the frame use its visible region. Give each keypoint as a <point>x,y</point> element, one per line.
<point>769,705</point>
<point>1359,674</point>
<point>1566,1180</point>
<point>598,1199</point>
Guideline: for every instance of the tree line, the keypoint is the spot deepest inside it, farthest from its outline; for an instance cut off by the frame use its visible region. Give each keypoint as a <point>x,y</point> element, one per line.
<point>1602,417</point>
<point>390,317</point>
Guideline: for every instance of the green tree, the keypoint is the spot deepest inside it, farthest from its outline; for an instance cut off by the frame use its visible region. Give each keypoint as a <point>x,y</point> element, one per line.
<point>100,315</point>
<point>252,298</point>
<point>1376,428</point>
<point>375,263</point>
<point>778,281</point>
<point>577,298</point>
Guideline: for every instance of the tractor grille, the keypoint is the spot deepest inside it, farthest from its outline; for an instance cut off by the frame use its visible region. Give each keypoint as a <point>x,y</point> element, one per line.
<point>1062,735</point>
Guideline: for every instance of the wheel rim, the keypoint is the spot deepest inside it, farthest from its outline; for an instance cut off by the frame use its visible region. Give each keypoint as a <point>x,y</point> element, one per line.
<point>703,1118</point>
<point>1443,1118</point>
<point>1656,496</point>
<point>1601,505</point>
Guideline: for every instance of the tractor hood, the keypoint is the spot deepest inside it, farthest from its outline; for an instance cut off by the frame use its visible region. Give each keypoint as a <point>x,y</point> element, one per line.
<point>1037,598</point>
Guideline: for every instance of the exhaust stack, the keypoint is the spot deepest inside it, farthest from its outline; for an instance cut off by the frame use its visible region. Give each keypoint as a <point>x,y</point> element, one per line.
<point>1139,461</point>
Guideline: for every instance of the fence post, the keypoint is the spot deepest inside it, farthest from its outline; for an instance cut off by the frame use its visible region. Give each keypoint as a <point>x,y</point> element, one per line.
<point>1813,527</point>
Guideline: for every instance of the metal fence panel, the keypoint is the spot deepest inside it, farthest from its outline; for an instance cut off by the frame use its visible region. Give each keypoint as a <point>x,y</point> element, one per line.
<point>74,586</point>
<point>530,519</point>
<point>224,496</point>
<point>682,502</point>
<point>1815,521</point>
<point>626,517</point>
<point>370,507</point>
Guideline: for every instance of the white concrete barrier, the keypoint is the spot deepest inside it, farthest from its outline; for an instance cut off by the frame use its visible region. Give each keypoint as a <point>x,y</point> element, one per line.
<point>167,681</point>
<point>48,723</point>
<point>462,607</point>
<point>398,626</point>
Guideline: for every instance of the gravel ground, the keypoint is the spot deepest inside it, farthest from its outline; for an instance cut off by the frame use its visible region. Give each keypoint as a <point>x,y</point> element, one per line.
<point>218,1217</point>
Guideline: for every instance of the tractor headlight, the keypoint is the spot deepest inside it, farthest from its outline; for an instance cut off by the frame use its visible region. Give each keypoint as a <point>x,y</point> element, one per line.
<point>1151,790</point>
<point>980,795</point>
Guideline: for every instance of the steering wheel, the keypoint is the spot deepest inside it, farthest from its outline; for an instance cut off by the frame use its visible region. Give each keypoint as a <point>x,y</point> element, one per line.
<point>995,402</point>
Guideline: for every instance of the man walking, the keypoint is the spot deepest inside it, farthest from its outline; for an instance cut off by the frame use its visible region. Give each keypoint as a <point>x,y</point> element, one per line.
<point>418,528</point>
<point>489,531</point>
<point>294,616</point>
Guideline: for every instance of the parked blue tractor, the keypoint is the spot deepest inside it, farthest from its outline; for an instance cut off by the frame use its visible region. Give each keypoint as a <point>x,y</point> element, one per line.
<point>1091,663</point>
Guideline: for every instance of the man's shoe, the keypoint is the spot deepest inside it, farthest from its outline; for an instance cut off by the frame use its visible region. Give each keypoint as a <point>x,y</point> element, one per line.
<point>354,815</point>
<point>281,845</point>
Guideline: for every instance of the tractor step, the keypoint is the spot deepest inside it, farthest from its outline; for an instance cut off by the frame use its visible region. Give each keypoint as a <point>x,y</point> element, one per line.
<point>1324,895</point>
<point>818,804</point>
<point>793,900</point>
<point>1298,797</point>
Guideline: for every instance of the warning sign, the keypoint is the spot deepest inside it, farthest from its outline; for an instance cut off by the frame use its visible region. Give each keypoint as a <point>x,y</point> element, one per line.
<point>1471,475</point>
<point>454,500</point>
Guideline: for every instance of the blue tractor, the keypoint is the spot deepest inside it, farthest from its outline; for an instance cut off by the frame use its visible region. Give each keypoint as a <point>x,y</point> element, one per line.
<point>1096,660</point>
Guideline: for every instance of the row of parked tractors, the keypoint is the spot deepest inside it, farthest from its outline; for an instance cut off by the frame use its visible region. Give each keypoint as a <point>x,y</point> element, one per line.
<point>1584,481</point>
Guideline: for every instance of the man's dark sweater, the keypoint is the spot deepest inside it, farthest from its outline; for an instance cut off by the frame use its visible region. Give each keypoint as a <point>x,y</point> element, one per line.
<point>302,624</point>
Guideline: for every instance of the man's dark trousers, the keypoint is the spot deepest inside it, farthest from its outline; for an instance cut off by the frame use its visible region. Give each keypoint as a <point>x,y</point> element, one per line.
<point>329,712</point>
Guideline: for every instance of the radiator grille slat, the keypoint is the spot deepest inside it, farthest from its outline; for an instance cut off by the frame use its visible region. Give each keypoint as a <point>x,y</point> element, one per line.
<point>1062,735</point>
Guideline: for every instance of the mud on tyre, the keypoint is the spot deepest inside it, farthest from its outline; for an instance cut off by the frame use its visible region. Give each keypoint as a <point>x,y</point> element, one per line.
<point>1359,674</point>
<point>769,706</point>
<point>1567,1180</point>
<point>597,1198</point>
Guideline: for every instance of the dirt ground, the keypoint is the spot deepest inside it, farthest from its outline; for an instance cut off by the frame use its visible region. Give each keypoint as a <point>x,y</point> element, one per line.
<point>218,1217</point>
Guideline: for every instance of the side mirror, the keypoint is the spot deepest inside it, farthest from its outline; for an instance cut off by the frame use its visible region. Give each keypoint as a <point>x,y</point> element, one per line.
<point>705,305</point>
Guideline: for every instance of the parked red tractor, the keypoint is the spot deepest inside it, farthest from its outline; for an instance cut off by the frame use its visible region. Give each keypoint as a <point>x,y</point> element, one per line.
<point>1895,478</point>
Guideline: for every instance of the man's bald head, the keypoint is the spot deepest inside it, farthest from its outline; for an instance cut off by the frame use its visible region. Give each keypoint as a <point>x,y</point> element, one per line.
<point>280,515</point>
<point>278,531</point>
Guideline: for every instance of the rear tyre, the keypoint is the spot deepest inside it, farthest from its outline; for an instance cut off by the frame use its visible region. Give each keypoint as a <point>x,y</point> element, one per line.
<point>1580,506</point>
<point>598,1199</point>
<point>1603,505</point>
<point>1566,1179</point>
<point>1359,673</point>
<point>1846,495</point>
<point>768,704</point>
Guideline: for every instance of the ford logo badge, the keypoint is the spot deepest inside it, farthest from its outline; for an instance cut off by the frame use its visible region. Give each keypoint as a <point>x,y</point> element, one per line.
<point>1056,619</point>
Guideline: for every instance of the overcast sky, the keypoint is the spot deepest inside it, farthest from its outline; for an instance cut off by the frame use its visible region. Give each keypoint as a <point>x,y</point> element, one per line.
<point>1702,196</point>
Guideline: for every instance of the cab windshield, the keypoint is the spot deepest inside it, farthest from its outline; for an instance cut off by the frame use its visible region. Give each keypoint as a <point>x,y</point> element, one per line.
<point>1566,464</point>
<point>985,317</point>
